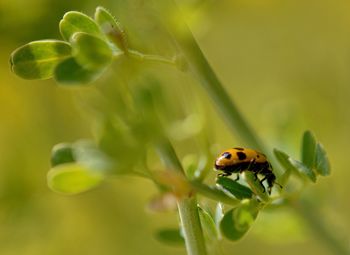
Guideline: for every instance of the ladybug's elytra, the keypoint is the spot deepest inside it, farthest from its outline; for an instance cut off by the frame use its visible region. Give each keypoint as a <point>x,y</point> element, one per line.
<point>238,160</point>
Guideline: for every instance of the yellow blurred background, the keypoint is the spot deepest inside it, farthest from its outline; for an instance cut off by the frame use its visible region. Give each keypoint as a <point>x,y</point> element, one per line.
<point>285,63</point>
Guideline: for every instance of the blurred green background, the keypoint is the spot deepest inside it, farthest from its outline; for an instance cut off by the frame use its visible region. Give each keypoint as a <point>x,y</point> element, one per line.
<point>285,63</point>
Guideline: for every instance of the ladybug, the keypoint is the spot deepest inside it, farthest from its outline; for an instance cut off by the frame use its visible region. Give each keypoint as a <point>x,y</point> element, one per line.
<point>238,160</point>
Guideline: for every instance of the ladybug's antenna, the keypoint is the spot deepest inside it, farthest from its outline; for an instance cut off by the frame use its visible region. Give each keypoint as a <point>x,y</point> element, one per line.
<point>279,185</point>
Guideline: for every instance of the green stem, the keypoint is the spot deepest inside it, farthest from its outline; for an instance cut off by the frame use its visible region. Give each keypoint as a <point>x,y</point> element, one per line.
<point>188,210</point>
<point>201,69</point>
<point>150,58</point>
<point>213,193</point>
<point>190,222</point>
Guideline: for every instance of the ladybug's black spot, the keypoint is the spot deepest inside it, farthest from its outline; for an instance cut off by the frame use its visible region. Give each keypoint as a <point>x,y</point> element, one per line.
<point>239,148</point>
<point>241,155</point>
<point>227,155</point>
<point>258,156</point>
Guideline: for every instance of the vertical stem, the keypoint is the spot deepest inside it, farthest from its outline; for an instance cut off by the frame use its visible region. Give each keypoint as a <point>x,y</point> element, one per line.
<point>188,210</point>
<point>191,226</point>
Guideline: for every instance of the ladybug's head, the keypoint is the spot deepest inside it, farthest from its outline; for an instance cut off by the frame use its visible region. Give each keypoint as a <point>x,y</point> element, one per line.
<point>223,160</point>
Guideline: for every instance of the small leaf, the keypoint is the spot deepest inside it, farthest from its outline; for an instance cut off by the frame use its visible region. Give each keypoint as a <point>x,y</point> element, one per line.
<point>73,22</point>
<point>170,237</point>
<point>194,167</point>
<point>69,72</point>
<point>73,178</point>
<point>293,165</point>
<point>219,213</point>
<point>90,51</point>
<point>62,153</point>
<point>255,185</point>
<point>322,164</point>
<point>308,150</point>
<point>303,169</point>
<point>189,163</point>
<point>238,221</point>
<point>111,28</point>
<point>208,225</point>
<point>37,60</point>
<point>236,189</point>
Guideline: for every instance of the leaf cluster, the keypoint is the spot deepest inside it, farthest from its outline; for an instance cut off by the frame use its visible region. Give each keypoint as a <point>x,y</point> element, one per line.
<point>89,47</point>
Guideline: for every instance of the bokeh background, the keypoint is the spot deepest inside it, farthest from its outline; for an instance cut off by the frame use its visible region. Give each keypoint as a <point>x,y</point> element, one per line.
<point>286,64</point>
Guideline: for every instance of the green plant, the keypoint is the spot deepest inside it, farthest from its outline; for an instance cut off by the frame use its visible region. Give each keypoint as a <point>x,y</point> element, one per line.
<point>138,124</point>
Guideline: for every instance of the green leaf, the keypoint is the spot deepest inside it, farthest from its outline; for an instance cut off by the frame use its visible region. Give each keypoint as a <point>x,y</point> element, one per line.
<point>73,178</point>
<point>236,189</point>
<point>308,150</point>
<point>37,60</point>
<point>90,51</point>
<point>303,169</point>
<point>322,164</point>
<point>293,165</point>
<point>170,237</point>
<point>254,184</point>
<point>69,72</point>
<point>73,22</point>
<point>236,222</point>
<point>189,163</point>
<point>62,153</point>
<point>111,28</point>
<point>208,225</point>
<point>219,213</point>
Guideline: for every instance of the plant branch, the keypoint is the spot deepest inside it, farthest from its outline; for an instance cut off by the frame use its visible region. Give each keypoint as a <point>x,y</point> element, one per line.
<point>214,193</point>
<point>201,69</point>
<point>187,206</point>
<point>151,58</point>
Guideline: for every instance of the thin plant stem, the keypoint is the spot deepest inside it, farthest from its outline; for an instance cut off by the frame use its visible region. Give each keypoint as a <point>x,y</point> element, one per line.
<point>190,222</point>
<point>187,206</point>
<point>150,58</point>
<point>213,193</point>
<point>201,69</point>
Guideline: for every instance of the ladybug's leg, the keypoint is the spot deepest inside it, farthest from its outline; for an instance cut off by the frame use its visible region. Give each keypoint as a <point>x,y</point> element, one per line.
<point>266,173</point>
<point>237,177</point>
<point>251,167</point>
<point>270,177</point>
<point>256,176</point>
<point>224,174</point>
<point>261,183</point>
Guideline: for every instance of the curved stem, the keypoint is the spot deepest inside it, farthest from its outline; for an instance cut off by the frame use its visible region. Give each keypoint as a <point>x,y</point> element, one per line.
<point>202,70</point>
<point>214,194</point>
